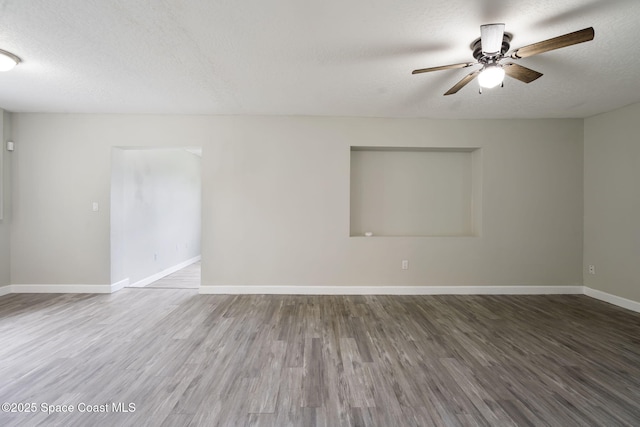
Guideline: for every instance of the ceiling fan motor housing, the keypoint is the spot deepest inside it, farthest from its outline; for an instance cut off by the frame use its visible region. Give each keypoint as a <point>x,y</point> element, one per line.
<point>476,47</point>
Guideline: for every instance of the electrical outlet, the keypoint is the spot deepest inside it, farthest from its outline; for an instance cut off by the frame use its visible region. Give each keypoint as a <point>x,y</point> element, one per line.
<point>405,264</point>
<point>592,269</point>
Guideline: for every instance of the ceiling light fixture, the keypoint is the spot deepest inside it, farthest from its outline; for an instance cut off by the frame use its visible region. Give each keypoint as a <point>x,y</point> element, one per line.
<point>8,60</point>
<point>491,76</point>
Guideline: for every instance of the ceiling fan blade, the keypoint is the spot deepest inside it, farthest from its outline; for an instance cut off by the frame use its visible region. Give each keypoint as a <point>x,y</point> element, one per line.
<point>462,83</point>
<point>491,38</point>
<point>443,67</point>
<point>518,72</point>
<point>570,39</point>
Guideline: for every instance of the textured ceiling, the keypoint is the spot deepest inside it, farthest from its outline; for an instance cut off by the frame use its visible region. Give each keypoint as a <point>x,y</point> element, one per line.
<point>329,58</point>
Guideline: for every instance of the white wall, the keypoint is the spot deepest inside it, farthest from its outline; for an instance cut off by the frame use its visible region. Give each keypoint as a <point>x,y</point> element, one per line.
<point>612,202</point>
<point>159,206</point>
<point>5,201</point>
<point>276,200</point>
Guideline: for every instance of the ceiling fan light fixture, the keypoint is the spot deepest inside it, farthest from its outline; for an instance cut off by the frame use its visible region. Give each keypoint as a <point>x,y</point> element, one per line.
<point>491,76</point>
<point>493,46</point>
<point>8,60</point>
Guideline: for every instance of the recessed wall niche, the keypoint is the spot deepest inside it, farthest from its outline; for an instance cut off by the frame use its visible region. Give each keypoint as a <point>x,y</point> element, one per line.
<point>415,191</point>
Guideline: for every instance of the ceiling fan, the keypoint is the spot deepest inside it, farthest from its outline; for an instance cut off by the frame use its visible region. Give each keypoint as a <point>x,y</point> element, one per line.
<point>493,47</point>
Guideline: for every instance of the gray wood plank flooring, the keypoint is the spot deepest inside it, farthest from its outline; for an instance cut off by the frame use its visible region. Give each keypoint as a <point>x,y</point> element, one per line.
<point>187,359</point>
<point>186,278</point>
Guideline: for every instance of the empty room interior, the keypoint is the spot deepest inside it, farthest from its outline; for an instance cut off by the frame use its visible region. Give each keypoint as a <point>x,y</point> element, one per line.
<point>367,213</point>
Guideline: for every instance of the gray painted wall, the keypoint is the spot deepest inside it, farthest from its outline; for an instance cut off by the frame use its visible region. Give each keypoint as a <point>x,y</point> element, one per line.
<point>612,202</point>
<point>5,201</point>
<point>276,200</point>
<point>413,193</point>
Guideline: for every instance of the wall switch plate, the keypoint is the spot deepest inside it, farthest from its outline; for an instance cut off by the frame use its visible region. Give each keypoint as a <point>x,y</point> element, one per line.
<point>95,207</point>
<point>10,146</point>
<point>405,264</point>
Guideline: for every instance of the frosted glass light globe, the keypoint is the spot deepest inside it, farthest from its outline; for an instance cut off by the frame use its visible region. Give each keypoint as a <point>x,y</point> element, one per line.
<point>491,76</point>
<point>7,60</point>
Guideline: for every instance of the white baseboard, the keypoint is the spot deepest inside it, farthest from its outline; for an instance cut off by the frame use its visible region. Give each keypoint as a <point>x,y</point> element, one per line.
<point>148,280</point>
<point>393,290</point>
<point>341,290</point>
<point>115,287</point>
<point>613,299</point>
<point>61,289</point>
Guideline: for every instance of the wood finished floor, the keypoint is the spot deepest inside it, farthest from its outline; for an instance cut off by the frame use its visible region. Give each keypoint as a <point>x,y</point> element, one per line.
<point>186,278</point>
<point>189,359</point>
